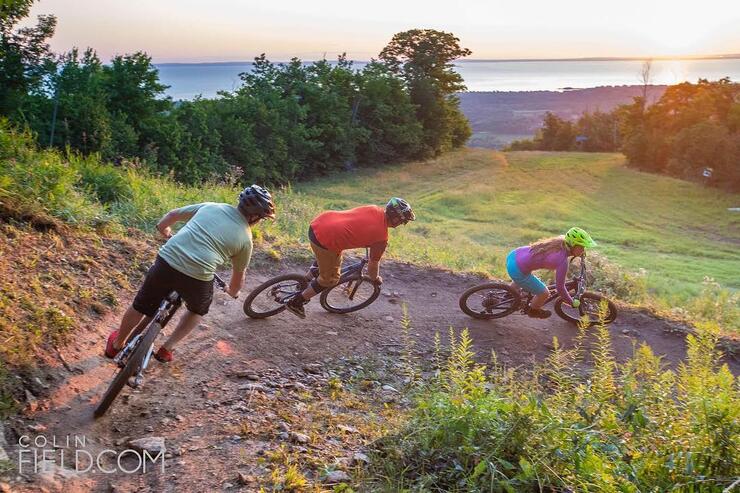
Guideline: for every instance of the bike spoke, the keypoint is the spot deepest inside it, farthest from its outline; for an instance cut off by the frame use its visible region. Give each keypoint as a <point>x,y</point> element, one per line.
<point>490,302</point>
<point>272,298</point>
<point>350,294</point>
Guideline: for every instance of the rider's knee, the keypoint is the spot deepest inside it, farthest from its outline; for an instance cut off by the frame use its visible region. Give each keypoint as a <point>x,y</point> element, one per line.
<point>324,282</point>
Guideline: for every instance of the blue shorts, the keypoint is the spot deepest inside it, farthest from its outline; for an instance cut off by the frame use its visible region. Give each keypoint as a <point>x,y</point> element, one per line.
<point>528,282</point>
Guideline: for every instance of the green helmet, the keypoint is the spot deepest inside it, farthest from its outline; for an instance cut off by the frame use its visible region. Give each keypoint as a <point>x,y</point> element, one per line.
<point>578,237</point>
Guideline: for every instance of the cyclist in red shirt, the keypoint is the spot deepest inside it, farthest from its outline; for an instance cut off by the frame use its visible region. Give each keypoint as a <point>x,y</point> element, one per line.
<point>332,232</point>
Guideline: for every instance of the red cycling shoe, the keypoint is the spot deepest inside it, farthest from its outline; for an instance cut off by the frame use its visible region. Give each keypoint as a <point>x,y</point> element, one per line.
<point>163,355</point>
<point>110,351</point>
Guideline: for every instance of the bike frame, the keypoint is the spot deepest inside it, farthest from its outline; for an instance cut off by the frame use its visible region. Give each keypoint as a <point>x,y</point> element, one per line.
<point>348,272</point>
<point>354,269</point>
<point>166,311</point>
<point>578,282</point>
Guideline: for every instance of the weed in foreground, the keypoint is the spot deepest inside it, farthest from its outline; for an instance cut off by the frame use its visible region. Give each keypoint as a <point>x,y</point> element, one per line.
<point>619,428</point>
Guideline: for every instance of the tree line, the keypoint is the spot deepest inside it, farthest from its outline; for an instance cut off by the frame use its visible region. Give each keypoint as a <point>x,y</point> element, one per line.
<point>691,132</point>
<point>286,121</point>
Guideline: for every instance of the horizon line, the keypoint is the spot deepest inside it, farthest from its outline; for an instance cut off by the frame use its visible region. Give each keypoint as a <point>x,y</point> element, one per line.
<point>727,56</point>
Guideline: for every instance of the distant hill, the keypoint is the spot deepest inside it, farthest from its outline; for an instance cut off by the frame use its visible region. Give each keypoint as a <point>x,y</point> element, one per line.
<point>498,118</point>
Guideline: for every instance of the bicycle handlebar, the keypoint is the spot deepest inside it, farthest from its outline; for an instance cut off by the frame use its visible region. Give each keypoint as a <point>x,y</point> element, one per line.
<point>221,283</point>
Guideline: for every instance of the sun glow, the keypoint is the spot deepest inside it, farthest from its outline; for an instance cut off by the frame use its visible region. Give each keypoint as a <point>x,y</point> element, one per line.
<point>675,38</point>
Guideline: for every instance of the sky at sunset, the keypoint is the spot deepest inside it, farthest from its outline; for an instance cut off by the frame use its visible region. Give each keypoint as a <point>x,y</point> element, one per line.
<point>230,30</point>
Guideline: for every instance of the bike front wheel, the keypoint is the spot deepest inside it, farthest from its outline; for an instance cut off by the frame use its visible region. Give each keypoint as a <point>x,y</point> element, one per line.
<point>266,299</point>
<point>350,295</point>
<point>132,366</point>
<point>490,300</point>
<point>590,307</point>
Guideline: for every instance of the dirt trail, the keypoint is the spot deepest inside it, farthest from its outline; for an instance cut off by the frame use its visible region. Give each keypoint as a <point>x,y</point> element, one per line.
<point>231,366</point>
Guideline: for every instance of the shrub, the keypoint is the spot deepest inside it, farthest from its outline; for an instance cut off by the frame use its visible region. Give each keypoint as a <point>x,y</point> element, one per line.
<point>634,427</point>
<point>718,304</point>
<point>106,183</point>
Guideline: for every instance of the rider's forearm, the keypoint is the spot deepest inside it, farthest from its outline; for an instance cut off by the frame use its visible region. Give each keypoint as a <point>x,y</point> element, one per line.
<point>373,269</point>
<point>237,282</point>
<point>563,291</point>
<point>170,219</point>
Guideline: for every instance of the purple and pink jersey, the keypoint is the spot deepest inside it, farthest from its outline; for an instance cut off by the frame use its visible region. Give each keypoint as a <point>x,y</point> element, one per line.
<point>557,261</point>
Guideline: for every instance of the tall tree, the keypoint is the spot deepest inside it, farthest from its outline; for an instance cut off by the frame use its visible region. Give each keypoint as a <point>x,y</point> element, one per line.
<point>423,58</point>
<point>24,55</point>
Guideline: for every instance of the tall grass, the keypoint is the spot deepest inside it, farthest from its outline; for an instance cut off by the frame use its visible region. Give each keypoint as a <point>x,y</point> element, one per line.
<point>86,192</point>
<point>618,428</point>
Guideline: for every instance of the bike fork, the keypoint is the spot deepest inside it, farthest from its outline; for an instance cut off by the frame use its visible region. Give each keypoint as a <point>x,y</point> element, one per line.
<point>136,381</point>
<point>122,355</point>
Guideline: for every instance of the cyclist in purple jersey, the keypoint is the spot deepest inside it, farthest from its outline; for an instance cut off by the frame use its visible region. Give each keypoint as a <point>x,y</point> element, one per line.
<point>553,254</point>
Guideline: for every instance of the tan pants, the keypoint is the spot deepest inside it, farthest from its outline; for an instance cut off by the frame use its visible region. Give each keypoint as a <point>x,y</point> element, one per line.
<point>330,264</point>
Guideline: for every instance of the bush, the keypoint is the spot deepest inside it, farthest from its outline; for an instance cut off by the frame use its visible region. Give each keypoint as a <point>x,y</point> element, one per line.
<point>614,281</point>
<point>629,428</point>
<point>106,183</point>
<point>715,303</point>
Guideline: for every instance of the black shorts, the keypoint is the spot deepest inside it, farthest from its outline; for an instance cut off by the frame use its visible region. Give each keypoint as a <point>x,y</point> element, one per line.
<point>161,279</point>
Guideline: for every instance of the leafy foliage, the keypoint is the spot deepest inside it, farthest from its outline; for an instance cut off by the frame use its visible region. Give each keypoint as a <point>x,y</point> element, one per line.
<point>691,128</point>
<point>24,56</point>
<point>286,121</point>
<point>634,427</point>
<point>422,57</point>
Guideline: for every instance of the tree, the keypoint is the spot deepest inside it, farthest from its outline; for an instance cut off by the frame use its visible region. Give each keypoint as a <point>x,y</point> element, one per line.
<point>387,114</point>
<point>706,145</point>
<point>422,57</point>
<point>692,126</point>
<point>557,134</point>
<point>600,130</point>
<point>83,120</point>
<point>138,108</point>
<point>24,56</point>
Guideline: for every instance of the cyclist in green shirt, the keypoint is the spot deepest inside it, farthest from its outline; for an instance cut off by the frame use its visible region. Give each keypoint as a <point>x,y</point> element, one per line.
<point>213,234</point>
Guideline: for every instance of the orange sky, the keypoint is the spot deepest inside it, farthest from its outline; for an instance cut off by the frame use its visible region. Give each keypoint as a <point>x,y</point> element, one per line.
<point>224,30</point>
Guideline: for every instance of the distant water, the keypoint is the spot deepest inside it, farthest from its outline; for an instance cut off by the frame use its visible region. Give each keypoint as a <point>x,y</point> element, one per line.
<point>188,80</point>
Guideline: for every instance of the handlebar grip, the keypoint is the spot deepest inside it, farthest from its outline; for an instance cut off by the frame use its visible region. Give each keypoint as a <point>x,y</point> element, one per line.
<point>219,281</point>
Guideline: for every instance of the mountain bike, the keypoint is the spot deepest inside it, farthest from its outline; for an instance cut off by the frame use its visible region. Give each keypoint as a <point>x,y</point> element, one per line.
<point>134,357</point>
<point>499,299</point>
<point>353,292</point>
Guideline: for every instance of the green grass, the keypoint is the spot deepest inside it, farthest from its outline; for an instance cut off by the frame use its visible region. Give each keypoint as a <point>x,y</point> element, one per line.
<point>474,205</point>
<point>620,427</point>
<point>660,238</point>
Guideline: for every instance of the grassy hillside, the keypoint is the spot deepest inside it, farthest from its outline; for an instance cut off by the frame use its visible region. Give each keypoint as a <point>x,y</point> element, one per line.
<point>659,237</point>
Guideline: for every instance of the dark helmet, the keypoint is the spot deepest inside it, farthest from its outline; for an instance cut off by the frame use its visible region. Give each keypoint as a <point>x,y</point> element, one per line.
<point>256,201</point>
<point>399,209</point>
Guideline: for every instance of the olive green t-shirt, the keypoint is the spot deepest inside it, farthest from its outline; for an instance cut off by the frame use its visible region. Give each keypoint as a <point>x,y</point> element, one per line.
<point>214,234</point>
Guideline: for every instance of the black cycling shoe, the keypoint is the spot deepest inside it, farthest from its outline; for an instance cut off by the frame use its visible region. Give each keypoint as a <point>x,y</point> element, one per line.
<point>295,305</point>
<point>538,313</point>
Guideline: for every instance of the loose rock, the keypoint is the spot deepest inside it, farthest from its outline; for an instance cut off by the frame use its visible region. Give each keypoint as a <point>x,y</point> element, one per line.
<point>298,437</point>
<point>360,458</point>
<point>153,445</point>
<point>337,477</point>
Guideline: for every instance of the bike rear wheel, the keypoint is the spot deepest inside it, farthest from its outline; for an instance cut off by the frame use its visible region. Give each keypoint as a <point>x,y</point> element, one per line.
<point>350,295</point>
<point>590,306</point>
<point>265,300</point>
<point>490,300</point>
<point>132,366</point>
